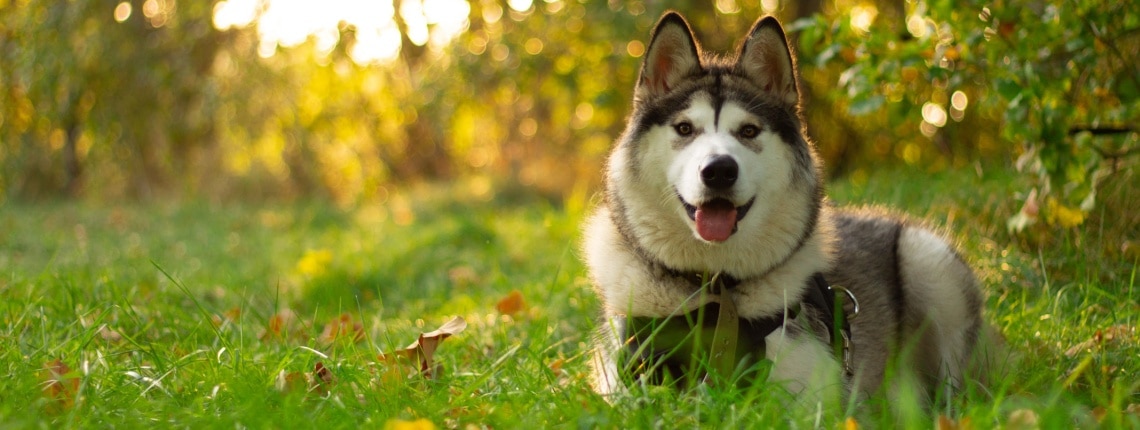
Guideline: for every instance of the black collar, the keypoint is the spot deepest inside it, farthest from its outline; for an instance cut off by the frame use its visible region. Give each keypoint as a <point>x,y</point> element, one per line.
<point>698,280</point>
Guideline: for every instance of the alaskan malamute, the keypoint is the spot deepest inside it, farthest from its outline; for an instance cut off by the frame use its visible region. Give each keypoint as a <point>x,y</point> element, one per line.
<point>715,249</point>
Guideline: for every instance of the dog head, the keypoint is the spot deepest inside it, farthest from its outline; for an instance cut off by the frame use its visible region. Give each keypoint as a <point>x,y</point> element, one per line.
<point>714,145</point>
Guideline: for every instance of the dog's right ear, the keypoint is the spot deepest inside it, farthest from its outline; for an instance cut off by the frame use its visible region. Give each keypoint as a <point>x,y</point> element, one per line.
<point>672,55</point>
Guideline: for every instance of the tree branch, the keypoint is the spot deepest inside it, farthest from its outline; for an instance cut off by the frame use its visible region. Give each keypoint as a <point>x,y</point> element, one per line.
<point>1100,131</point>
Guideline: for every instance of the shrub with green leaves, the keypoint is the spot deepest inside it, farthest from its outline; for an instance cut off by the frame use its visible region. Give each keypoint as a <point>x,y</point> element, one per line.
<point>1060,80</point>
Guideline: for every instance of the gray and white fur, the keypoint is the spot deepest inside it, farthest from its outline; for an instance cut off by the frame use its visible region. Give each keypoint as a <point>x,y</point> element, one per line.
<point>714,174</point>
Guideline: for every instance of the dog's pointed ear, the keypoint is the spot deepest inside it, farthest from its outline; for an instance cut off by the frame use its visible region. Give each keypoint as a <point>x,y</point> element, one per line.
<point>766,59</point>
<point>672,55</point>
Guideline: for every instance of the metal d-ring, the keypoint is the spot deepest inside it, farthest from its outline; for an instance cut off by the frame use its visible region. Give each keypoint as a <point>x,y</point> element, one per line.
<point>851,296</point>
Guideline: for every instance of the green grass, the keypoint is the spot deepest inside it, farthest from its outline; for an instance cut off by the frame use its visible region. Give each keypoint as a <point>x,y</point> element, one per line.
<point>159,310</point>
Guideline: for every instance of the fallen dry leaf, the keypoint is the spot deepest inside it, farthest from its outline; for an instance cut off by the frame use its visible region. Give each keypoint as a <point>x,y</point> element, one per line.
<point>323,374</point>
<point>946,423</point>
<point>278,325</point>
<point>1022,419</point>
<point>319,381</point>
<point>229,317</point>
<point>342,327</point>
<point>423,349</point>
<point>233,314</point>
<point>108,334</point>
<point>323,377</point>
<point>850,424</point>
<point>1102,338</point>
<point>556,366</point>
<point>290,382</point>
<point>512,304</point>
<point>60,384</point>
<point>1099,412</point>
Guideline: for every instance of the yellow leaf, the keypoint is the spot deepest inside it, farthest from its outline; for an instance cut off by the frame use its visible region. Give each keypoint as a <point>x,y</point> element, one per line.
<point>1064,216</point>
<point>850,424</point>
<point>314,263</point>
<point>420,424</point>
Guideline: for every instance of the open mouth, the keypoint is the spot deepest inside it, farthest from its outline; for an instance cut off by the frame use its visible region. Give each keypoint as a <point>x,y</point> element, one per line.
<point>716,219</point>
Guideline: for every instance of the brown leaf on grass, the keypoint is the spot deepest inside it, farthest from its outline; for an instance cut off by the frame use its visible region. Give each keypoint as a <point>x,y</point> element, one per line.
<point>233,314</point>
<point>422,351</point>
<point>946,423</point>
<point>1099,412</point>
<point>228,317</point>
<point>1133,409</point>
<point>1102,338</point>
<point>556,366</point>
<point>323,374</point>
<point>319,381</point>
<point>323,378</point>
<point>60,384</point>
<point>109,334</point>
<point>291,382</point>
<point>1022,419</point>
<point>512,304</point>
<point>278,325</point>
<point>342,327</point>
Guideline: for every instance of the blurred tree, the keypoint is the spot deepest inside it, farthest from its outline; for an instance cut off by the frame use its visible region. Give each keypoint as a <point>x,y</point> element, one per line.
<point>1056,79</point>
<point>120,84</point>
<point>148,95</point>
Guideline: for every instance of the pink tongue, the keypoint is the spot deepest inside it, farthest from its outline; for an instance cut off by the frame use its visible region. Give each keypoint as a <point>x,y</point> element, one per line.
<point>715,221</point>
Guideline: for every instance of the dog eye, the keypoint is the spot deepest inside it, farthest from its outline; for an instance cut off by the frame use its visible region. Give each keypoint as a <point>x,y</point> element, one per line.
<point>749,131</point>
<point>684,128</point>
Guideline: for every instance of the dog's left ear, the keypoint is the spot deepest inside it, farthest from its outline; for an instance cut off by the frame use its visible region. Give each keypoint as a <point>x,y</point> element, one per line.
<point>766,59</point>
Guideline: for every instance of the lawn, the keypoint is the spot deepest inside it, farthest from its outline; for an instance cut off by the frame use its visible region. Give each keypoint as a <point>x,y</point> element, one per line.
<point>196,314</point>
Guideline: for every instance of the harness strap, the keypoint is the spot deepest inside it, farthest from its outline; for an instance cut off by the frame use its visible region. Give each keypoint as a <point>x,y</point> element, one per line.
<point>730,330</point>
<point>727,332</point>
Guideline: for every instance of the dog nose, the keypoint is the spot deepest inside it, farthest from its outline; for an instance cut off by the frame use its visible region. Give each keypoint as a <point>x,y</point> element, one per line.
<point>719,172</point>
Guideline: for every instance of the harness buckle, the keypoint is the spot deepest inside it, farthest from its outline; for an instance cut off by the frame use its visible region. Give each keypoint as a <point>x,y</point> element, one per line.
<point>851,296</point>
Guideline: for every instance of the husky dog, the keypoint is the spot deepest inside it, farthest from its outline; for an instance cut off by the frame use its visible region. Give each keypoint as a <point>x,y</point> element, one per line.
<point>714,223</point>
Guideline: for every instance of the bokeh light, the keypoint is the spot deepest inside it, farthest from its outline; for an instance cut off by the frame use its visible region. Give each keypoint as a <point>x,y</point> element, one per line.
<point>122,11</point>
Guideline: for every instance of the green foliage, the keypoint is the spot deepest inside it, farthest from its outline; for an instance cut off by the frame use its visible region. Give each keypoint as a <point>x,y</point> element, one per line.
<point>1056,81</point>
<point>79,89</point>
<point>166,102</point>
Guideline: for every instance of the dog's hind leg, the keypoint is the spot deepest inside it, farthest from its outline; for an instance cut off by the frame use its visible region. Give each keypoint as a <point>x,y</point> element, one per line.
<point>942,306</point>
